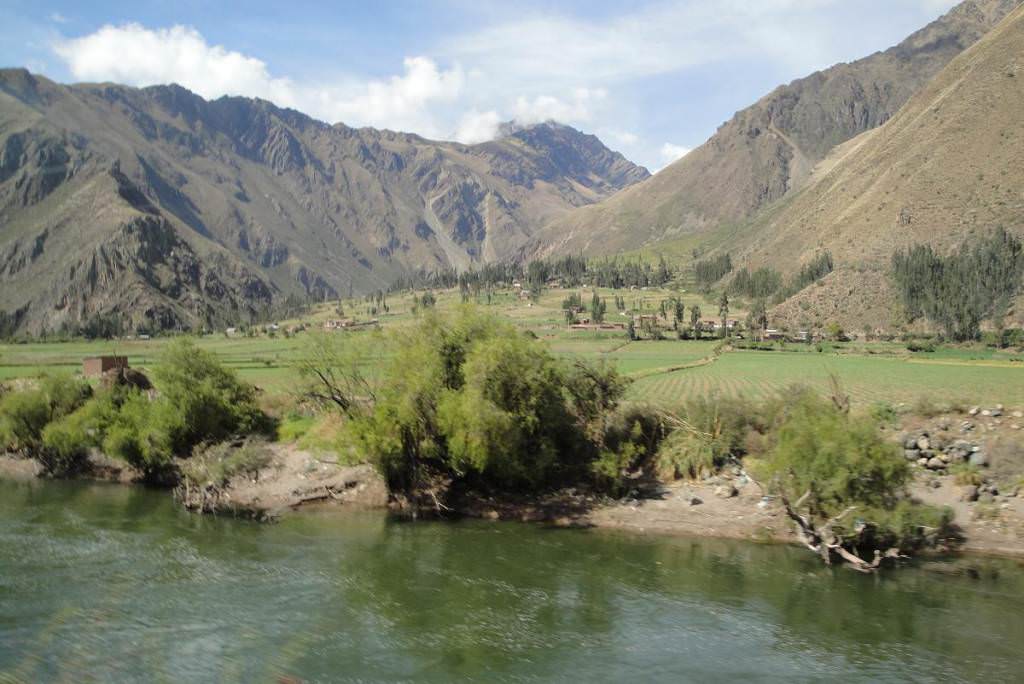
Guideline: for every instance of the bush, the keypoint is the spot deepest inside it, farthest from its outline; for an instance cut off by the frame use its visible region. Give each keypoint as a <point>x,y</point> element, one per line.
<point>471,400</point>
<point>197,400</point>
<point>216,464</point>
<point>840,462</point>
<point>201,400</point>
<point>25,414</point>
<point>711,432</point>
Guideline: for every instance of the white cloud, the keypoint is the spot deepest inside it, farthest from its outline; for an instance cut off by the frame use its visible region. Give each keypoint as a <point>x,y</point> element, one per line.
<point>139,56</point>
<point>670,153</point>
<point>662,37</point>
<point>58,18</point>
<point>621,137</point>
<point>136,55</point>
<point>578,108</point>
<point>476,127</point>
<point>401,101</point>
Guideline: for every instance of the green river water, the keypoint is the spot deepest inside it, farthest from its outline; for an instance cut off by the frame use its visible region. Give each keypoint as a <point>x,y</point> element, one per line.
<point>114,584</point>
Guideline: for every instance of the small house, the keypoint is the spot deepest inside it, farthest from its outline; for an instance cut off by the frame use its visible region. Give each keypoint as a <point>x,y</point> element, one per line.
<point>96,366</point>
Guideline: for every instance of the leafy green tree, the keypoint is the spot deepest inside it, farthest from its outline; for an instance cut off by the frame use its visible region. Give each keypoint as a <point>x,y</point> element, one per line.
<point>695,320</point>
<point>844,484</point>
<point>25,414</point>
<point>959,291</point>
<point>472,400</point>
<point>723,312</point>
<point>597,309</point>
<point>680,313</point>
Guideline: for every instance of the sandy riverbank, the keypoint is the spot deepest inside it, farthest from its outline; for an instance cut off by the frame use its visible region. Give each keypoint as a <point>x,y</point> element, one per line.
<point>719,509</point>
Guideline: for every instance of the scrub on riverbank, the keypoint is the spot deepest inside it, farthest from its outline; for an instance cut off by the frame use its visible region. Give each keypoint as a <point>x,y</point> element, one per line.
<point>724,507</point>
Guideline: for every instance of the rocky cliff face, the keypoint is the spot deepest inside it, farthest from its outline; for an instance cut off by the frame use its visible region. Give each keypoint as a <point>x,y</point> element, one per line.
<point>262,195</point>
<point>768,150</point>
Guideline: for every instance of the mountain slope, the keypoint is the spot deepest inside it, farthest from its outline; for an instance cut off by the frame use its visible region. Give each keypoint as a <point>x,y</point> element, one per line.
<point>946,168</point>
<point>305,208</point>
<point>768,150</point>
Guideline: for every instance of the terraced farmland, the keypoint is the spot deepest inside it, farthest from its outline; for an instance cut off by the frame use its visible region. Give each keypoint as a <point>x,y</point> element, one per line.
<point>867,379</point>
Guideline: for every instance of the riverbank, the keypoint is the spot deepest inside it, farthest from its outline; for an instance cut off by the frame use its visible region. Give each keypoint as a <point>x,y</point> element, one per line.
<point>727,506</point>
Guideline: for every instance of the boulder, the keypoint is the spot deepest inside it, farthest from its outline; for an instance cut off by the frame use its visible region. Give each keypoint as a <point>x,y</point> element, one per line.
<point>979,459</point>
<point>696,501</point>
<point>969,493</point>
<point>911,454</point>
<point>923,443</point>
<point>936,463</point>
<point>910,442</point>
<point>726,491</point>
<point>974,411</point>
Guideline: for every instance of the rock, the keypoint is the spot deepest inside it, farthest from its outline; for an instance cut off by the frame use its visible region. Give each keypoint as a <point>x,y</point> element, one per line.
<point>1018,414</point>
<point>696,501</point>
<point>979,459</point>
<point>974,411</point>
<point>945,458</point>
<point>923,462</point>
<point>935,484</point>
<point>969,493</point>
<point>911,454</point>
<point>987,413</point>
<point>910,442</point>
<point>936,463</point>
<point>726,491</point>
<point>923,443</point>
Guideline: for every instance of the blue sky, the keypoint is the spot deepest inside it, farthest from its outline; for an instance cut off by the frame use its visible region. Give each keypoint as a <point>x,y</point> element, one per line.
<point>651,79</point>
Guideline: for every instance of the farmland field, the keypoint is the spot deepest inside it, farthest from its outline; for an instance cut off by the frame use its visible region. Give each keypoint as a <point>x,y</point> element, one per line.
<point>866,379</point>
<point>665,372</point>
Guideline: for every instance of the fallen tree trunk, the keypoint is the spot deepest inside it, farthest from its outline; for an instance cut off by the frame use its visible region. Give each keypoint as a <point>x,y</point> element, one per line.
<point>825,542</point>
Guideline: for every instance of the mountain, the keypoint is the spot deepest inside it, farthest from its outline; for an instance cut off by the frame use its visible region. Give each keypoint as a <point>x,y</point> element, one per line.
<point>945,169</point>
<point>769,149</point>
<point>173,210</point>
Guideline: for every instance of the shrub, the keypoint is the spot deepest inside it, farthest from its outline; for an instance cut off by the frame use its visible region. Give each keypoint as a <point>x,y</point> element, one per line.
<point>838,462</point>
<point>470,399</point>
<point>709,432</point>
<point>25,414</point>
<point>966,474</point>
<point>216,464</point>
<point>294,427</point>
<point>201,400</point>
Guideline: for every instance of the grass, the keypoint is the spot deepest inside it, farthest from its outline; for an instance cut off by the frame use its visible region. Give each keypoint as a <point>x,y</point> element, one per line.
<point>871,372</point>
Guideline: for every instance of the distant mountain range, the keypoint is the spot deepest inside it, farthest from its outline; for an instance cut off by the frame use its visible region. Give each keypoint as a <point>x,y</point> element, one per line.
<point>170,210</point>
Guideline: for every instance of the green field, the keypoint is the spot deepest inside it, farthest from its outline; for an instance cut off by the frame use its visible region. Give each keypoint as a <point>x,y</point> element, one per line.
<point>867,379</point>
<point>665,372</point>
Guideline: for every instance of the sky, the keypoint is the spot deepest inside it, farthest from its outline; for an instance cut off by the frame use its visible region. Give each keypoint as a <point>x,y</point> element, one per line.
<point>653,80</point>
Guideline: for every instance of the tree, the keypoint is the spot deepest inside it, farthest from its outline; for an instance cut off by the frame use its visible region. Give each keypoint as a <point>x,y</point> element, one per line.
<point>631,329</point>
<point>844,486</point>
<point>957,292</point>
<point>597,309</point>
<point>759,316</point>
<point>680,313</point>
<point>695,320</point>
<point>472,401</point>
<point>723,313</point>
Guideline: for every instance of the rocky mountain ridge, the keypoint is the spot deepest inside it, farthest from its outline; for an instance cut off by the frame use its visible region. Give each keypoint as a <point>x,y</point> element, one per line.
<point>264,194</point>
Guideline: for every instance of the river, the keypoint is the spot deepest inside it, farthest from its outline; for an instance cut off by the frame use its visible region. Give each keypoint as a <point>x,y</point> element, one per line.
<point>113,584</point>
